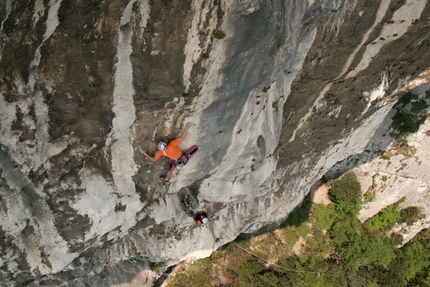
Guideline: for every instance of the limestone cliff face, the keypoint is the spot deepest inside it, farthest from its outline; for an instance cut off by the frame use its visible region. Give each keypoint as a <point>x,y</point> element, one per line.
<point>280,93</point>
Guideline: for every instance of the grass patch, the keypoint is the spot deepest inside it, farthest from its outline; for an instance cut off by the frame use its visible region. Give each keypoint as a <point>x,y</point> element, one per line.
<point>323,216</point>
<point>195,275</point>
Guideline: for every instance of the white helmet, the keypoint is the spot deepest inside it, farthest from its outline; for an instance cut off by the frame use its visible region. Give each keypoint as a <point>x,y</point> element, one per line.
<point>205,220</point>
<point>162,145</point>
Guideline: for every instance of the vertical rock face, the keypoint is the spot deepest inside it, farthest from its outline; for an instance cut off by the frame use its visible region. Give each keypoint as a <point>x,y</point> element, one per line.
<point>279,94</point>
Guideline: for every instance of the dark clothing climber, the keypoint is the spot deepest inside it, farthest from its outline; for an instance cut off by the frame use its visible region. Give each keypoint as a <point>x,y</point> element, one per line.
<point>201,217</point>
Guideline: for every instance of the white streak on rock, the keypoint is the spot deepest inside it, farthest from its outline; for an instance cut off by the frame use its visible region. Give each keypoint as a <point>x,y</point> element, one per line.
<point>372,50</point>
<point>43,147</point>
<point>144,13</point>
<point>310,111</point>
<point>8,10</point>
<point>356,141</point>
<point>39,11</point>
<point>193,49</point>
<point>402,19</point>
<point>101,197</point>
<point>8,116</point>
<point>54,245</point>
<point>3,38</point>
<point>51,25</point>
<point>25,207</point>
<point>383,7</point>
<point>377,93</point>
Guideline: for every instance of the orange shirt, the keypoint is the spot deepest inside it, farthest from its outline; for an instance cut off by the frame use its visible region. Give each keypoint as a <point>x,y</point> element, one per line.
<point>172,151</point>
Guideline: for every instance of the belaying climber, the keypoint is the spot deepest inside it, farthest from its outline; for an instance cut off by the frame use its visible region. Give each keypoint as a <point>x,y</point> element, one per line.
<point>201,217</point>
<point>170,150</point>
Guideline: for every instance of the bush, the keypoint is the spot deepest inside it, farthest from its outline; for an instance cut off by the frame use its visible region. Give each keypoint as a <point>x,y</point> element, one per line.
<point>156,266</point>
<point>414,258</point>
<point>346,193</point>
<point>385,219</point>
<point>411,113</point>
<point>344,229</point>
<point>365,249</point>
<point>219,34</point>
<point>410,215</point>
<point>346,188</point>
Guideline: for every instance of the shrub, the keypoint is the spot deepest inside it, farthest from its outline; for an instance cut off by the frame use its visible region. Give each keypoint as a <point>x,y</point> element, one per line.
<point>346,188</point>
<point>414,258</point>
<point>156,266</point>
<point>365,249</point>
<point>410,215</point>
<point>219,34</point>
<point>346,193</point>
<point>411,113</point>
<point>385,219</point>
<point>344,229</point>
<point>247,270</point>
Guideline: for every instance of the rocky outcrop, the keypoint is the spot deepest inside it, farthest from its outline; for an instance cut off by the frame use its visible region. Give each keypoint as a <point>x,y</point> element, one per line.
<point>280,94</point>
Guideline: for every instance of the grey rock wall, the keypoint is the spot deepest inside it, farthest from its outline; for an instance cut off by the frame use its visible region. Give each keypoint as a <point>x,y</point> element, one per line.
<point>280,94</point>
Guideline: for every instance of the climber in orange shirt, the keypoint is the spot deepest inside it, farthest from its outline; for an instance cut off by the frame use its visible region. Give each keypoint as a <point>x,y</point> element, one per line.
<point>168,149</point>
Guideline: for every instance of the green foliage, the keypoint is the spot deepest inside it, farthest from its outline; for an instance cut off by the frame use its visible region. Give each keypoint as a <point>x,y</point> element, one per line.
<point>343,208</point>
<point>411,113</point>
<point>385,219</point>
<point>364,249</point>
<point>197,275</point>
<point>346,191</point>
<point>310,279</point>
<point>323,215</point>
<point>416,255</point>
<point>343,229</point>
<point>290,234</point>
<point>339,250</point>
<point>410,215</point>
<point>299,215</point>
<point>267,279</point>
<point>296,224</point>
<point>402,140</point>
<point>369,197</point>
<point>247,270</point>
<point>372,284</point>
<point>319,244</point>
<point>156,266</point>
